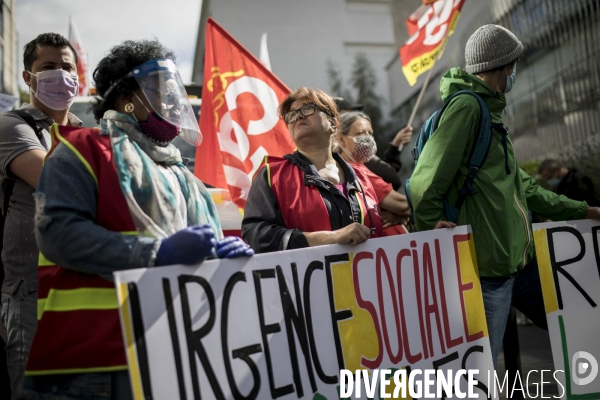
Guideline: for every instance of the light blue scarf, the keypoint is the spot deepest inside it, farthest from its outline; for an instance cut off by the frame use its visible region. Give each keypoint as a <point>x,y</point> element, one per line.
<point>142,167</point>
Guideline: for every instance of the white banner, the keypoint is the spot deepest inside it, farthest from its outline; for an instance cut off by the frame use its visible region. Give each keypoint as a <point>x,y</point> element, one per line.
<point>283,325</point>
<point>569,263</point>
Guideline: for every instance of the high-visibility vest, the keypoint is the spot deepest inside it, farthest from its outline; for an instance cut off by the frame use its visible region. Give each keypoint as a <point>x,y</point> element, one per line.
<point>302,206</point>
<point>78,320</point>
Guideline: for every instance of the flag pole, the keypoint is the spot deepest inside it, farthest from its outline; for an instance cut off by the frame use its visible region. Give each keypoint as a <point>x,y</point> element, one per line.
<point>427,78</point>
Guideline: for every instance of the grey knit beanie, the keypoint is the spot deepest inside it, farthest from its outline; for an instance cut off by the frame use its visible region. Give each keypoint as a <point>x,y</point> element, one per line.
<point>491,46</point>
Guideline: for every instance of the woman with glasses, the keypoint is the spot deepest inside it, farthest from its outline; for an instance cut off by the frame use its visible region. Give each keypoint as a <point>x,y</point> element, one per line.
<point>357,146</point>
<point>311,197</point>
<point>111,199</point>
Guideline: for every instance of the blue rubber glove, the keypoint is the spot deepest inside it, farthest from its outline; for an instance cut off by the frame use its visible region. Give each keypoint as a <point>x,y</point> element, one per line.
<point>232,247</point>
<point>191,245</point>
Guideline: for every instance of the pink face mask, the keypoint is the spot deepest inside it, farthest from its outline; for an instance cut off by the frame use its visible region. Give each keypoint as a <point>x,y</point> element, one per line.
<point>56,88</point>
<point>159,130</point>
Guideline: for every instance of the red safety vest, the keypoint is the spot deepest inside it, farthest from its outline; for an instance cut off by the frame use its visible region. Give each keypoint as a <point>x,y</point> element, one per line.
<point>78,320</point>
<point>302,206</point>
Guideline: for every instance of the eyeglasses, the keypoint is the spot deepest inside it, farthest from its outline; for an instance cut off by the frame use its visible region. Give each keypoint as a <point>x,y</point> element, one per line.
<point>306,110</point>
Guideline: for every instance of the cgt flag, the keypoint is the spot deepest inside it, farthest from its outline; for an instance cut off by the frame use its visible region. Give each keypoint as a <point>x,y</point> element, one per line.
<point>239,117</point>
<point>82,64</point>
<point>428,26</point>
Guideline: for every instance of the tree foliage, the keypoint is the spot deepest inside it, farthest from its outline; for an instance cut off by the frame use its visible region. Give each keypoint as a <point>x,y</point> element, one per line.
<point>337,87</point>
<point>364,81</point>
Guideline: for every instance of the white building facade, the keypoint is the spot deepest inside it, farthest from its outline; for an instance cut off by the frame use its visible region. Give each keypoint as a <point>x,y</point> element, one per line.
<point>303,36</point>
<point>8,49</point>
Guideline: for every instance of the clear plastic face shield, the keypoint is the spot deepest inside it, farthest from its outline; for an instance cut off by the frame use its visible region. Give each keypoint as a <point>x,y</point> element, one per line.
<point>161,84</point>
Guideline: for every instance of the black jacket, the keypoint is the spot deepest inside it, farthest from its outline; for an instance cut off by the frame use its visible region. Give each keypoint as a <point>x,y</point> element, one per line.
<point>577,186</point>
<point>263,228</point>
<point>387,168</point>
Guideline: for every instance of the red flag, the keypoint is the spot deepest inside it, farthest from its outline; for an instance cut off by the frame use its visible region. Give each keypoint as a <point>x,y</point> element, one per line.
<point>419,19</point>
<point>430,28</point>
<point>238,119</point>
<point>82,65</point>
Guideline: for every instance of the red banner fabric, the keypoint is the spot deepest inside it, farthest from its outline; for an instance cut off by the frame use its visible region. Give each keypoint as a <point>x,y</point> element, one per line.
<point>418,19</point>
<point>82,64</point>
<point>428,26</point>
<point>238,118</point>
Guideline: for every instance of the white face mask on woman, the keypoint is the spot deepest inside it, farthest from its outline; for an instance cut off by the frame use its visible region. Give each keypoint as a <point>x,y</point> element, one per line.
<point>364,149</point>
<point>56,88</point>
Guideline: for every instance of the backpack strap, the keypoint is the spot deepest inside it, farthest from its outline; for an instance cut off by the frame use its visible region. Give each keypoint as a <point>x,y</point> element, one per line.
<point>9,183</point>
<point>25,116</point>
<point>477,156</point>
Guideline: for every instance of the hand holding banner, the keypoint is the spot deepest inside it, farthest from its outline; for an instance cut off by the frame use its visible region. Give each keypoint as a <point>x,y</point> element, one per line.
<point>292,324</point>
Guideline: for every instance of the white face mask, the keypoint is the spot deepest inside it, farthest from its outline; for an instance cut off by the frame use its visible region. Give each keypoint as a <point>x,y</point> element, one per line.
<point>364,149</point>
<point>56,88</point>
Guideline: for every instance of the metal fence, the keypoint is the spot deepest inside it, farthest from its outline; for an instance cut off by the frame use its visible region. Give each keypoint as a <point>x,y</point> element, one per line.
<point>556,101</point>
<point>554,107</point>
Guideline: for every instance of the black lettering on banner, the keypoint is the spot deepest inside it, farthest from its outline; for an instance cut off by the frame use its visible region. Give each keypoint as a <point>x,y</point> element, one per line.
<point>266,330</point>
<point>242,353</point>
<point>174,338</point>
<point>479,384</point>
<point>328,379</point>
<point>336,315</point>
<point>595,230</point>
<point>294,317</point>
<point>558,266</point>
<point>442,361</point>
<point>408,369</point>
<point>194,338</point>
<point>140,339</point>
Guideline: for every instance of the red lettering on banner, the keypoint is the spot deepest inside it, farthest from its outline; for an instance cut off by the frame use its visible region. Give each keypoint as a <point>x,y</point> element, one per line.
<point>431,307</point>
<point>381,258</point>
<point>411,358</point>
<point>413,244</point>
<point>367,305</point>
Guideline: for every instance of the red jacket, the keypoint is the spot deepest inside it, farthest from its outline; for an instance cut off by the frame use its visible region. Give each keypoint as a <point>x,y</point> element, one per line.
<point>302,206</point>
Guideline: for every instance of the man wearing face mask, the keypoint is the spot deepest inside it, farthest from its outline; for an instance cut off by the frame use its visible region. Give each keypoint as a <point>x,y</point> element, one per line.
<point>51,74</point>
<point>498,211</point>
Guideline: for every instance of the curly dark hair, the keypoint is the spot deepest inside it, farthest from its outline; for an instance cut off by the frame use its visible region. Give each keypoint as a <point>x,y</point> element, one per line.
<point>45,39</point>
<point>119,61</point>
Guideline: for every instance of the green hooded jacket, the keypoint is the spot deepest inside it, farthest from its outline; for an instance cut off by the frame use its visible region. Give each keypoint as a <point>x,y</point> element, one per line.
<point>499,212</point>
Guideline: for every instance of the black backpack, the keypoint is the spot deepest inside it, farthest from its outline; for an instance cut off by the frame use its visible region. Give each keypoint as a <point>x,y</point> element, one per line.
<point>9,184</point>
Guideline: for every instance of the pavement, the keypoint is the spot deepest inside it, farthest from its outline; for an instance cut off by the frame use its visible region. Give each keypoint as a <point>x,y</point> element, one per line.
<point>536,355</point>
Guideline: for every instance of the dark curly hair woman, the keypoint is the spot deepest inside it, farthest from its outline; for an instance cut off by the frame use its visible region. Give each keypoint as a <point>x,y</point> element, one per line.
<point>111,199</point>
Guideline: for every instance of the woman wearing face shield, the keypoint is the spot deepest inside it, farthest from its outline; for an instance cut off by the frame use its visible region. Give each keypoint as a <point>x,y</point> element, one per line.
<point>112,199</point>
<point>312,197</point>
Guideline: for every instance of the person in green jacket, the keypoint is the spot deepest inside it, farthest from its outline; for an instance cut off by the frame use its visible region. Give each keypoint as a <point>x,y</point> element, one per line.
<point>499,212</point>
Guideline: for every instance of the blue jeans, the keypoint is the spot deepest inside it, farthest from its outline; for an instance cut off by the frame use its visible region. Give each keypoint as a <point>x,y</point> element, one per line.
<point>522,290</point>
<point>98,386</point>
